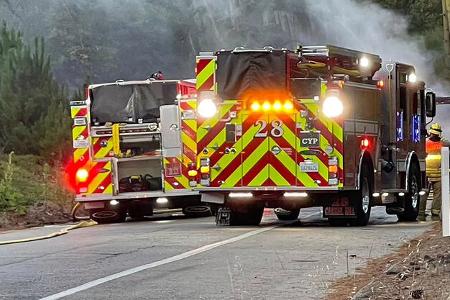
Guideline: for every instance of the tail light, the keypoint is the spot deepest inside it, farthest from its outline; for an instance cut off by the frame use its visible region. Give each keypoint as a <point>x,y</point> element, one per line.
<point>333,170</point>
<point>365,144</point>
<point>192,173</point>
<point>82,175</point>
<point>204,171</point>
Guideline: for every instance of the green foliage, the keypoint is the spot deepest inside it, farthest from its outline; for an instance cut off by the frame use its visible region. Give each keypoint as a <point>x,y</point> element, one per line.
<point>10,196</point>
<point>33,117</point>
<point>26,180</point>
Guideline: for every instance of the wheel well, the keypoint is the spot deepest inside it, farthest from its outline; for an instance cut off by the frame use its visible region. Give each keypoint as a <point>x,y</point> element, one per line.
<point>366,159</point>
<point>413,160</point>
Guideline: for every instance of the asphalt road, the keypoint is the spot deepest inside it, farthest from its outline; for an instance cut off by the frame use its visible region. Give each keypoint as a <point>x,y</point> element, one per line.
<point>178,258</point>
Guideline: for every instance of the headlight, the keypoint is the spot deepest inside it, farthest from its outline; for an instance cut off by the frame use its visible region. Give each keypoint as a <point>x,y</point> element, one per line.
<point>332,107</point>
<point>207,108</point>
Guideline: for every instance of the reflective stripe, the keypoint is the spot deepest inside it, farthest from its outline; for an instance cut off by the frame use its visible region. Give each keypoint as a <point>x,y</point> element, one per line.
<point>116,139</point>
<point>78,111</point>
<point>205,74</point>
<point>78,153</point>
<point>102,151</point>
<point>78,131</point>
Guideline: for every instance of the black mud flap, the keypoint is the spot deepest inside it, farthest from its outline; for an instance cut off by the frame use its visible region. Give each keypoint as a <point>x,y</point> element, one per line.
<point>340,208</point>
<point>223,216</point>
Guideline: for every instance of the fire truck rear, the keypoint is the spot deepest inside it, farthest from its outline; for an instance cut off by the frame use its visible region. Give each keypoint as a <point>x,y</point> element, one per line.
<point>128,156</point>
<point>319,126</point>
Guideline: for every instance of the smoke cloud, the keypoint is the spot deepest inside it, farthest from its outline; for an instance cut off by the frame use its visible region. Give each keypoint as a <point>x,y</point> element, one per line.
<point>130,39</point>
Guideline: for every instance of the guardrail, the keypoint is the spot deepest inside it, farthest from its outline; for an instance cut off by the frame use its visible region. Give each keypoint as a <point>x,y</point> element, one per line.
<point>445,188</point>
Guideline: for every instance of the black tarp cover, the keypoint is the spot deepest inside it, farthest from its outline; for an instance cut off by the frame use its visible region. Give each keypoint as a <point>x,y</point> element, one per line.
<point>240,72</point>
<point>131,103</point>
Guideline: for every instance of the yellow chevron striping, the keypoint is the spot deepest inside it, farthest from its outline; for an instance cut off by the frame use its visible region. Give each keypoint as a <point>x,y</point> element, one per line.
<point>305,179</point>
<point>337,131</point>
<point>78,153</point>
<point>192,124</point>
<point>188,142</point>
<point>74,111</point>
<point>277,178</point>
<point>261,177</point>
<point>98,179</point>
<point>77,131</point>
<point>234,178</point>
<point>206,73</point>
<point>109,189</point>
<point>168,187</point>
<point>104,151</point>
<point>255,157</point>
<point>284,158</point>
<point>240,144</point>
<point>210,123</point>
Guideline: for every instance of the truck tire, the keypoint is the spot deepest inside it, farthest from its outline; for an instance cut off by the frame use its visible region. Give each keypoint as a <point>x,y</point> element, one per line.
<point>411,201</point>
<point>286,215</point>
<point>247,216</point>
<point>362,199</point>
<point>197,211</point>
<point>108,215</point>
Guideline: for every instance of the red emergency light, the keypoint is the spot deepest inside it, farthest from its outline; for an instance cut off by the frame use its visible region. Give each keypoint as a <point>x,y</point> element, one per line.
<point>82,175</point>
<point>365,144</point>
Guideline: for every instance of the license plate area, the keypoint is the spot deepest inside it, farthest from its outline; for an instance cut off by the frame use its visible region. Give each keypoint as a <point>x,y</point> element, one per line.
<point>309,166</point>
<point>94,205</point>
<point>340,207</point>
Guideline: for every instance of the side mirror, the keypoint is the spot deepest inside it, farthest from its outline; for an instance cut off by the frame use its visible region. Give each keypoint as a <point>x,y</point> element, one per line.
<point>430,104</point>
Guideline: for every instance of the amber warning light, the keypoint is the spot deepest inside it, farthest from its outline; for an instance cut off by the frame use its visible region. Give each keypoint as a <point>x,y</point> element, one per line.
<point>267,106</point>
<point>269,101</point>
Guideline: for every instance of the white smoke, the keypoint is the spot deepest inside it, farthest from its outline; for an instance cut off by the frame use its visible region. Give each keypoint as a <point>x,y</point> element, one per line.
<point>370,28</point>
<point>347,23</point>
<point>168,34</point>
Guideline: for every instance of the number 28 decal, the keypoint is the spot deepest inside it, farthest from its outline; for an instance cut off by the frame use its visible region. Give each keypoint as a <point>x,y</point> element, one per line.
<point>276,131</point>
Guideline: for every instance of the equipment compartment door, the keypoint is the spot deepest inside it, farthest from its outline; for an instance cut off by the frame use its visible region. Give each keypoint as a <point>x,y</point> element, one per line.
<point>101,178</point>
<point>219,146</point>
<point>255,156</point>
<point>282,150</point>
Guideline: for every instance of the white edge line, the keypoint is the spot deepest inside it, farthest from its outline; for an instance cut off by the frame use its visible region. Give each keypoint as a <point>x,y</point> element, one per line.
<point>165,261</point>
<point>155,264</point>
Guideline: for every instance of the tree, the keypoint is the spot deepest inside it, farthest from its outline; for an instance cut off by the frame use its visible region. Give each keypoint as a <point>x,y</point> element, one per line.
<point>33,117</point>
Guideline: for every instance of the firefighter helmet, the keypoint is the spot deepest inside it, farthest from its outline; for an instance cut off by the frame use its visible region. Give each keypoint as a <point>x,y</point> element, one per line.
<point>436,129</point>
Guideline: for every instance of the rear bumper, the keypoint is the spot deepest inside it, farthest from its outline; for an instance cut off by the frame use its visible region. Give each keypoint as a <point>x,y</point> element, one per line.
<point>270,189</point>
<point>133,196</point>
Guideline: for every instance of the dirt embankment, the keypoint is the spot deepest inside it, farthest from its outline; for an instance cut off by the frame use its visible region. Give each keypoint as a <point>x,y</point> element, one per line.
<point>32,192</point>
<point>39,214</point>
<point>420,269</point>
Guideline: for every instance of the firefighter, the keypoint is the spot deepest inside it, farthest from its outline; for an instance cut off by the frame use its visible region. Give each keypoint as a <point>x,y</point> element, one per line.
<point>433,169</point>
<point>157,76</point>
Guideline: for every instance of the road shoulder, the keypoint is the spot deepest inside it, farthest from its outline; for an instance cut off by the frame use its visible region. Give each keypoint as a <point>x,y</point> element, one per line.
<point>420,269</point>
